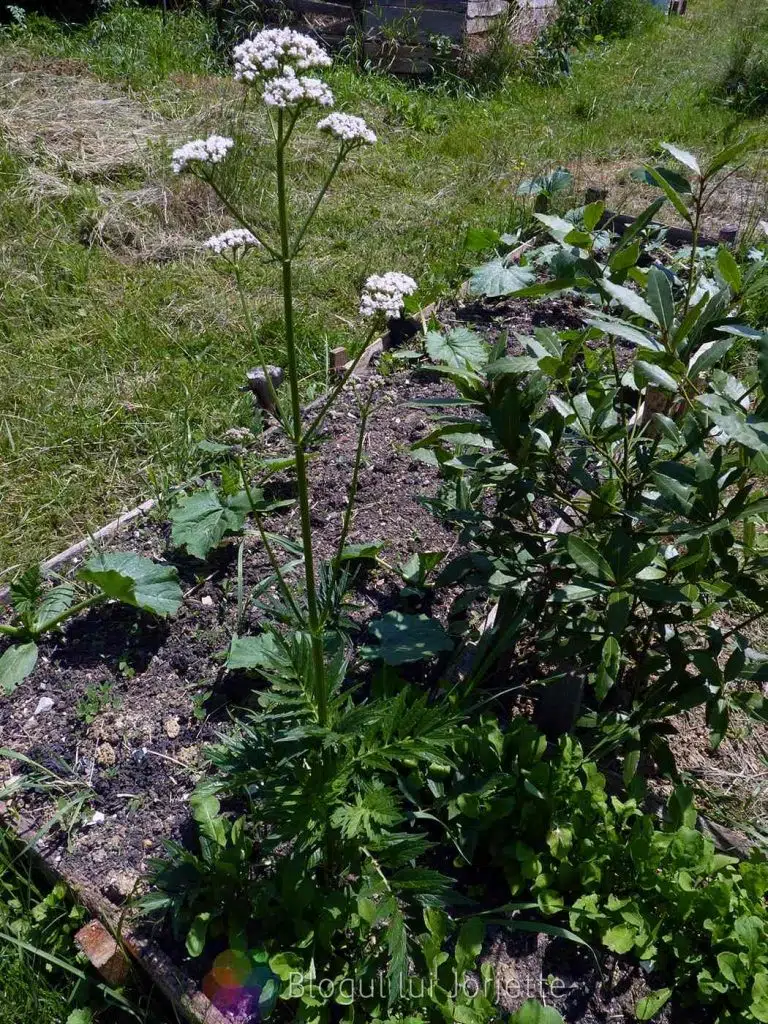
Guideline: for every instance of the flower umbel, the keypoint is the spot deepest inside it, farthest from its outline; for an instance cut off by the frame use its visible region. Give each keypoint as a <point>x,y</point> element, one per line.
<point>385,293</point>
<point>206,151</point>
<point>231,241</point>
<point>348,128</point>
<point>274,50</point>
<point>290,89</point>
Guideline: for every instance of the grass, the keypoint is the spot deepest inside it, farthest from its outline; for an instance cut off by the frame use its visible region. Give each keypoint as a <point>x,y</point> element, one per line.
<point>121,346</point>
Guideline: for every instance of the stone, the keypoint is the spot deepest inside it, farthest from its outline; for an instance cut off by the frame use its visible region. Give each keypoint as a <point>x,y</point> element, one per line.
<point>120,885</point>
<point>44,705</point>
<point>172,727</point>
<point>98,818</point>
<point>263,383</point>
<point>103,952</point>
<point>206,601</point>
<point>105,755</point>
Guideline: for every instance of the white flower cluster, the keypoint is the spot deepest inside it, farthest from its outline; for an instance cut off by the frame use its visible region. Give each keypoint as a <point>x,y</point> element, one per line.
<point>235,238</point>
<point>385,293</point>
<point>275,49</point>
<point>208,151</point>
<point>347,127</point>
<point>289,89</point>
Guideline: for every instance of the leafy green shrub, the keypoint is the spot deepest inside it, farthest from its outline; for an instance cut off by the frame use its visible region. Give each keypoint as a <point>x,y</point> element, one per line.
<point>661,894</point>
<point>633,435</point>
<point>580,21</point>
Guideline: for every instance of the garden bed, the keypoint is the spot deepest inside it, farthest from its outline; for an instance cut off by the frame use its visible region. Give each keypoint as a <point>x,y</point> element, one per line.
<point>122,705</point>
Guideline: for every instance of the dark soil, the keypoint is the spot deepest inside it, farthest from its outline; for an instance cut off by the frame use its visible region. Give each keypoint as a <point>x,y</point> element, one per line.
<point>136,700</point>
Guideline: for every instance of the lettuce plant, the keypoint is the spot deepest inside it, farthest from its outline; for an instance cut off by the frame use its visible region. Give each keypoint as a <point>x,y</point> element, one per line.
<point>37,609</point>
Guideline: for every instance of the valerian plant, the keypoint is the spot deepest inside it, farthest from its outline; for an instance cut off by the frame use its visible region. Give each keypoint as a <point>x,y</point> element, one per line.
<point>610,480</point>
<point>38,609</point>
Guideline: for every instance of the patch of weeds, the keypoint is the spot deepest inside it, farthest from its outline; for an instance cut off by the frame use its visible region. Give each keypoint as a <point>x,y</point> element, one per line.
<point>97,698</point>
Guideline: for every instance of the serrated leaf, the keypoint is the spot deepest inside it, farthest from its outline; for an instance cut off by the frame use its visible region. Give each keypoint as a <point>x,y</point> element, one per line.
<point>403,638</point>
<point>588,558</point>
<point>200,520</point>
<point>460,348</point>
<point>135,580</point>
<point>495,279</point>
<point>16,664</point>
<point>658,292</point>
<point>254,652</point>
<point>80,1016</point>
<point>620,938</point>
<point>649,1005</point>
<point>629,299</point>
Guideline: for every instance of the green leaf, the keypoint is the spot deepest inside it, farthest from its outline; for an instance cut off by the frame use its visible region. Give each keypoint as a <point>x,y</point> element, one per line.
<point>253,652</point>
<point>671,193</point>
<point>621,329</point>
<point>54,603</point>
<point>533,1012</point>
<point>135,580</point>
<point>514,365</point>
<point>730,155</point>
<point>649,1005</point>
<point>629,299</point>
<point>200,520</point>
<point>759,1004</point>
<point>361,552</point>
<point>708,355</point>
<point>650,373</point>
<point>480,239</point>
<point>683,157</point>
<point>205,810</point>
<point>495,279</point>
<point>197,934</point>
<point>26,590</point>
<point>592,214</point>
<point>81,1016</point>
<point>729,269</point>
<point>16,664</point>
<point>403,638</point>
<point>558,227</point>
<point>550,902</point>
<point>588,558</point>
<point>469,943</point>
<point>638,225</point>
<point>620,938</point>
<point>659,295</point>
<point>460,348</point>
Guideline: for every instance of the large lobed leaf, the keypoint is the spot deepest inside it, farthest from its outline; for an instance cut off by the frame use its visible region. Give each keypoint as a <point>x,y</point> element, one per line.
<point>200,520</point>
<point>135,580</point>
<point>495,279</point>
<point>403,638</point>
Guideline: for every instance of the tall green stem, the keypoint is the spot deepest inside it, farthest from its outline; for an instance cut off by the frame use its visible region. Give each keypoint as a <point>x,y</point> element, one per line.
<point>315,627</point>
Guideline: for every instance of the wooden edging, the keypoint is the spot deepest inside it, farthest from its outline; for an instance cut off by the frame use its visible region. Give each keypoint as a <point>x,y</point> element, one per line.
<point>172,980</point>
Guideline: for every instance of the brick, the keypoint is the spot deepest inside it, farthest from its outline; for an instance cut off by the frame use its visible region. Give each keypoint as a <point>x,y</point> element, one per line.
<point>103,952</point>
